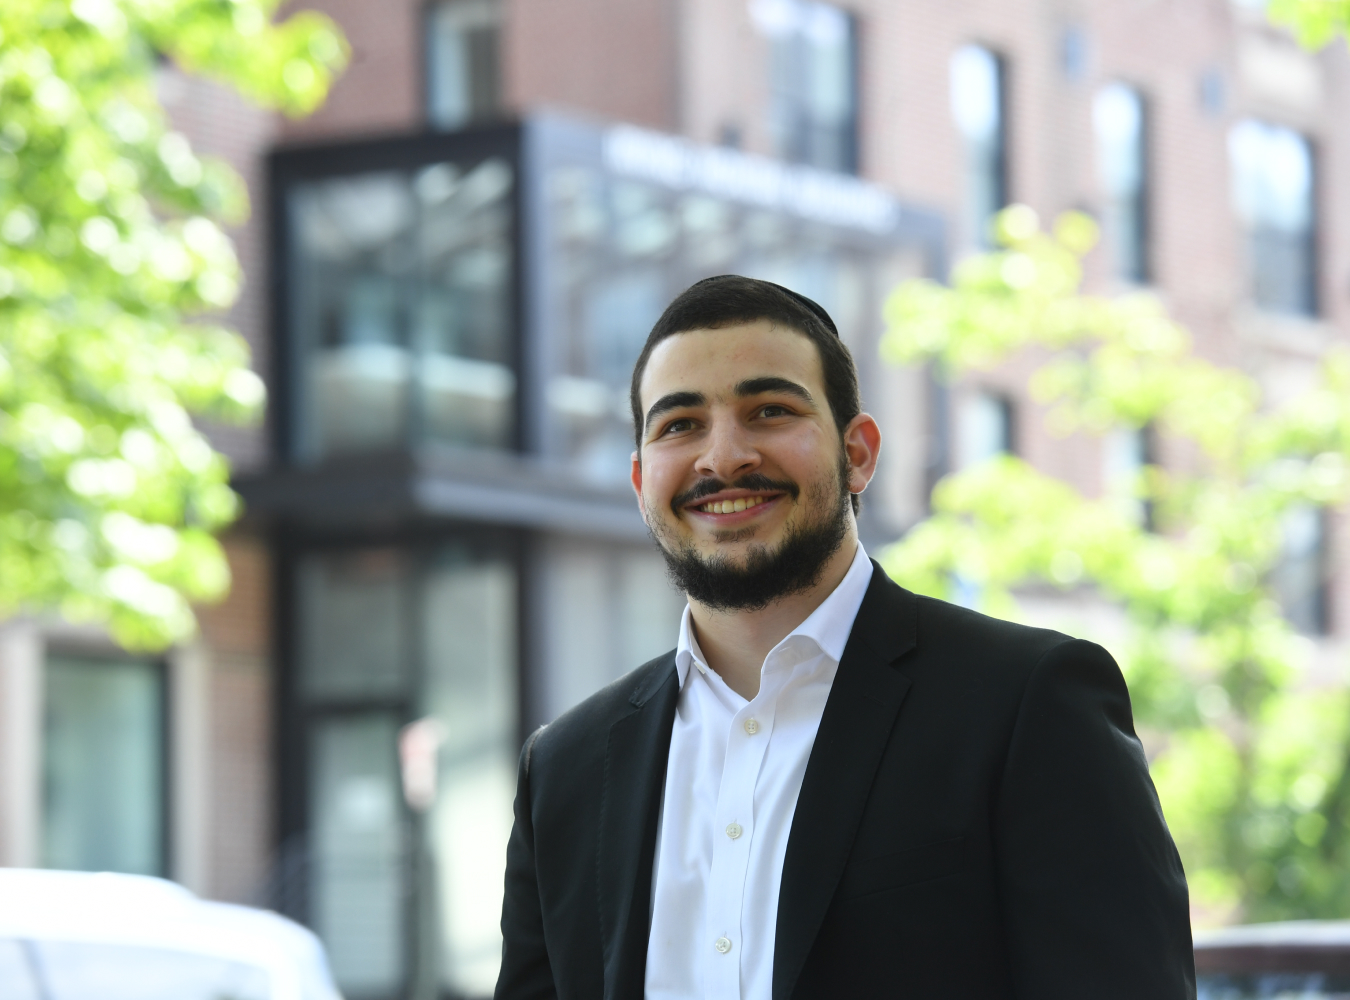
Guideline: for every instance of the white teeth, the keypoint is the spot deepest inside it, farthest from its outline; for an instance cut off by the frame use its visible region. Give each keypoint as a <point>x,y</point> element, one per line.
<point>731,506</point>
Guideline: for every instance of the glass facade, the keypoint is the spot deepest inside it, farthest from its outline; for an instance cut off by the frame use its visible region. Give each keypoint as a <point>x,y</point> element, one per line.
<point>813,82</point>
<point>1120,123</point>
<point>629,229</point>
<point>1274,193</point>
<point>103,766</point>
<point>978,105</point>
<point>400,298</point>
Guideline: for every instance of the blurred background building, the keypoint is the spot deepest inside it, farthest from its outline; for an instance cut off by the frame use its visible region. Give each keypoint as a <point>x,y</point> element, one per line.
<point>452,267</point>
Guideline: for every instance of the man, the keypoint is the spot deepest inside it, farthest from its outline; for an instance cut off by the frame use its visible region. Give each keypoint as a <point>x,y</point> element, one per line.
<point>831,787</point>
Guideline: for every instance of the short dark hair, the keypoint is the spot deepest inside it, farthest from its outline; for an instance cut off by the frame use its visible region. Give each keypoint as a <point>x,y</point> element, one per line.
<point>730,299</point>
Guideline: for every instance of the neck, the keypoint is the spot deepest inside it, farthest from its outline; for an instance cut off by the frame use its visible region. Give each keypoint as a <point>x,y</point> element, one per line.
<point>735,643</point>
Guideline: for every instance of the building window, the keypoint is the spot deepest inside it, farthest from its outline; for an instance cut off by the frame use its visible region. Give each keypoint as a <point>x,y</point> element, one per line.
<point>103,766</point>
<point>813,110</point>
<point>399,309</point>
<point>389,638</point>
<point>979,101</point>
<point>1120,122</point>
<point>1300,576</point>
<point>463,62</point>
<point>1273,190</point>
<point>1126,453</point>
<point>984,428</point>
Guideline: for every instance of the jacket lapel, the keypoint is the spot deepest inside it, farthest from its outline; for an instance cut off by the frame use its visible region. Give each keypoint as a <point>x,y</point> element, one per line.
<point>635,773</point>
<point>854,730</point>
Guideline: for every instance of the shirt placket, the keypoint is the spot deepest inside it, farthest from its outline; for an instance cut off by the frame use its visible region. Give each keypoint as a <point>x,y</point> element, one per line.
<point>733,837</point>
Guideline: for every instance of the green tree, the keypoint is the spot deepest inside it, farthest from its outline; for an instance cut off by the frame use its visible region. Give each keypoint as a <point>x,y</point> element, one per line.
<point>1313,22</point>
<point>1251,761</point>
<point>112,262</point>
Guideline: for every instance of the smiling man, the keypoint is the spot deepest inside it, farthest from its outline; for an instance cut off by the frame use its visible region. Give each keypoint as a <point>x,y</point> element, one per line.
<point>830,787</point>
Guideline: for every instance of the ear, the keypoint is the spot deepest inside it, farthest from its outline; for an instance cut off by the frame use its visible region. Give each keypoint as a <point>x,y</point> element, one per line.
<point>862,447</point>
<point>635,475</point>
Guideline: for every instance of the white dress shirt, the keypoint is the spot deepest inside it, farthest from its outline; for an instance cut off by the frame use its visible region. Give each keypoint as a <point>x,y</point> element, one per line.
<point>732,781</point>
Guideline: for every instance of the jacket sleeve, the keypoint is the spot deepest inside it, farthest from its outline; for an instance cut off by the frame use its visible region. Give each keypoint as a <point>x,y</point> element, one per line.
<point>1093,894</point>
<point>526,973</point>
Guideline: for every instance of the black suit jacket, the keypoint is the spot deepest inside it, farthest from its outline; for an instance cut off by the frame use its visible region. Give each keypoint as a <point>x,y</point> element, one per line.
<point>976,820</point>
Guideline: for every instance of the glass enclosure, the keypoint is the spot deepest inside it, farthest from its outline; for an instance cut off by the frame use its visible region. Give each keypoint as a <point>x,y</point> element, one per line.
<point>400,295</point>
<point>628,229</point>
<point>103,766</point>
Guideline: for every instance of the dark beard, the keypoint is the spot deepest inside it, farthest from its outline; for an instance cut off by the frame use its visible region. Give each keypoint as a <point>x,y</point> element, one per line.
<point>767,575</point>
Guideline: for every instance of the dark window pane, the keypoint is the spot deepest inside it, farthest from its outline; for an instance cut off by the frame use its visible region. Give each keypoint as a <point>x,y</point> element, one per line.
<point>400,290</point>
<point>1273,186</point>
<point>355,613</point>
<point>463,74</point>
<point>103,766</point>
<point>978,109</point>
<point>1120,124</point>
<point>813,111</point>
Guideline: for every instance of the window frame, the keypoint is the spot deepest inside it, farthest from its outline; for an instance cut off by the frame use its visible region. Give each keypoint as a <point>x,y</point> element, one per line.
<point>291,166</point>
<point>1312,240</point>
<point>1140,271</point>
<point>427,18</point>
<point>68,649</point>
<point>980,230</point>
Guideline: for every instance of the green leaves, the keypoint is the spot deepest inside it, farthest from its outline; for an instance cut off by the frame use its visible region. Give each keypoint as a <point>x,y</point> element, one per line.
<point>1250,755</point>
<point>1313,22</point>
<point>113,258</point>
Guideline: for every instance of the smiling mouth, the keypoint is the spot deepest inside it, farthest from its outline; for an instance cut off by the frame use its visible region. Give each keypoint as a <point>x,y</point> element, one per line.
<point>732,506</point>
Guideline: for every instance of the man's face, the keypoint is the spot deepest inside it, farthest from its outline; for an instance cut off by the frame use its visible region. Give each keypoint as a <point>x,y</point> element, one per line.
<point>741,461</point>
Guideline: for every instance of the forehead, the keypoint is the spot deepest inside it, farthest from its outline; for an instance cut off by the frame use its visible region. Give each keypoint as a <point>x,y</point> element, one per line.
<point>712,362</point>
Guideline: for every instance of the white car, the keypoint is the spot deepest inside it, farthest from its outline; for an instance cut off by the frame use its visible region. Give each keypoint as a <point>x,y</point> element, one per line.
<point>100,936</point>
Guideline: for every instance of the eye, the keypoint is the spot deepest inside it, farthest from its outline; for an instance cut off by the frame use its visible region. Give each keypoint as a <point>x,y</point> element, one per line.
<point>774,410</point>
<point>677,426</point>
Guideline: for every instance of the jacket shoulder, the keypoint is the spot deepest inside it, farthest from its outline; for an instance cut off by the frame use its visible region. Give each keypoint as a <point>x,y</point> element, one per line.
<point>589,720</point>
<point>952,622</point>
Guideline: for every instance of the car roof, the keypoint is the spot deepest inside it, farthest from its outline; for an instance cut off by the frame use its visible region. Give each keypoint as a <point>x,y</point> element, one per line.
<point>141,911</point>
<point>1287,933</point>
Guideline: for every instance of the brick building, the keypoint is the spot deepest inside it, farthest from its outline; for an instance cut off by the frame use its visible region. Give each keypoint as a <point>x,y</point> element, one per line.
<point>450,269</point>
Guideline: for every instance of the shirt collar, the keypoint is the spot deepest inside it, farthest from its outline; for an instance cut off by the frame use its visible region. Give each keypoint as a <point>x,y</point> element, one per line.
<point>829,626</point>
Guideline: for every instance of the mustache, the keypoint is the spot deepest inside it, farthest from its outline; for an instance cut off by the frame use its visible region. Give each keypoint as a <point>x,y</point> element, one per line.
<point>754,481</point>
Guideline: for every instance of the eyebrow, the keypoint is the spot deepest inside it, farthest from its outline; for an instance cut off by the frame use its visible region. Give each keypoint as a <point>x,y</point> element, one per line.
<point>773,383</point>
<point>672,401</point>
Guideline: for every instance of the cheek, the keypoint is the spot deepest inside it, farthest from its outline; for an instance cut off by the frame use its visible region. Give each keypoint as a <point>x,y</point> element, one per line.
<point>660,478</point>
<point>805,455</point>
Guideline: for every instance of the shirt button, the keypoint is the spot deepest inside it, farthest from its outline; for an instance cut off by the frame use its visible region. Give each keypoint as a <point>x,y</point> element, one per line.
<point>734,830</point>
<point>751,726</point>
<point>722,944</point>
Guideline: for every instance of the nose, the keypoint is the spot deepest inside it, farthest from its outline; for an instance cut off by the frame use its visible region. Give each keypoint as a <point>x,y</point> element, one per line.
<point>728,452</point>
